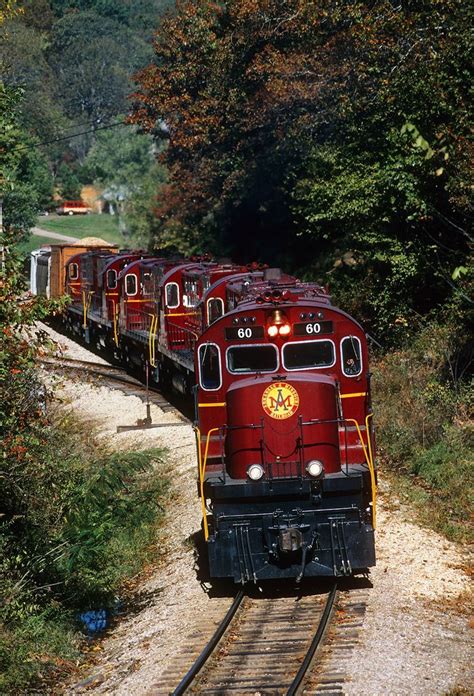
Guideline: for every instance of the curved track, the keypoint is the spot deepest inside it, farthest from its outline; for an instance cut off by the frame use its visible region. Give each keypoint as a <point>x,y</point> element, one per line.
<point>263,645</point>
<point>118,378</point>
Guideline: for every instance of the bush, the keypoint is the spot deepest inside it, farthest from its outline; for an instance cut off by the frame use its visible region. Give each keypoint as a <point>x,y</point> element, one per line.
<point>422,402</point>
<point>78,521</point>
<point>41,647</point>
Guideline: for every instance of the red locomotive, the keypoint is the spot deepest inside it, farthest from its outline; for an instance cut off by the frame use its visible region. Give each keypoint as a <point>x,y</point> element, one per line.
<point>282,392</point>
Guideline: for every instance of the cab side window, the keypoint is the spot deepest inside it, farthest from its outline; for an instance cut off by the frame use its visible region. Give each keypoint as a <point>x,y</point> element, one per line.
<point>215,309</point>
<point>172,295</point>
<point>131,284</point>
<point>112,279</point>
<point>351,356</point>
<point>210,367</point>
<point>73,271</point>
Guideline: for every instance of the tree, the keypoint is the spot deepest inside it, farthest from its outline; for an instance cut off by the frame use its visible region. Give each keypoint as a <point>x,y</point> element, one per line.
<point>93,57</point>
<point>322,130</point>
<point>24,65</point>
<point>25,181</point>
<point>120,156</point>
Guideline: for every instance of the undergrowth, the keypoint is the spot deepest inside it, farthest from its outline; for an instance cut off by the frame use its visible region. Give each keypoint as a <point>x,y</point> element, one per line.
<point>423,403</point>
<point>77,522</point>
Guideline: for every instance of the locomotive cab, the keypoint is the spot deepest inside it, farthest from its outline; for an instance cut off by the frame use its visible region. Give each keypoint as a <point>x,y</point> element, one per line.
<point>285,445</point>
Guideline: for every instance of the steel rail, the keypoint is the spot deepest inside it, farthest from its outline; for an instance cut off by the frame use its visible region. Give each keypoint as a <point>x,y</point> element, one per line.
<point>54,359</point>
<point>109,371</point>
<point>210,647</point>
<point>117,375</point>
<point>318,636</point>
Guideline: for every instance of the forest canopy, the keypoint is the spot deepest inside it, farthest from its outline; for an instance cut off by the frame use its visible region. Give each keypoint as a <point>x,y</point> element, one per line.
<point>327,137</point>
<point>74,62</point>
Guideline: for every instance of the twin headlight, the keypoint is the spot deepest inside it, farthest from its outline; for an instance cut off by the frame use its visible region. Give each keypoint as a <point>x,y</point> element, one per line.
<point>314,468</point>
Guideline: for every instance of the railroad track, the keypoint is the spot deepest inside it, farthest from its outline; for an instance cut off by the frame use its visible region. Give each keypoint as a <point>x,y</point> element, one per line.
<point>114,377</point>
<point>262,646</point>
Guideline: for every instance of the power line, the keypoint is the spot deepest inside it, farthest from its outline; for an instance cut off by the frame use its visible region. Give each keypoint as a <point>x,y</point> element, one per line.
<point>69,137</point>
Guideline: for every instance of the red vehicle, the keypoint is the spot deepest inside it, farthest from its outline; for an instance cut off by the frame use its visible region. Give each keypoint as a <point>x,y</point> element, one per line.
<point>281,382</point>
<point>73,208</point>
<point>285,443</point>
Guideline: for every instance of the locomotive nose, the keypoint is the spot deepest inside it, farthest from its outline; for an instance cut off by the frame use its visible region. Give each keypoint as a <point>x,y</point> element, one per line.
<point>284,425</point>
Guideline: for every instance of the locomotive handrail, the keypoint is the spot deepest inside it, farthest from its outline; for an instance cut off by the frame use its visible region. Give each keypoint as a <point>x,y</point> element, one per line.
<point>371,469</point>
<point>202,470</point>
<point>115,314</point>
<point>188,337</point>
<point>86,305</point>
<point>370,463</point>
<point>152,339</point>
<point>367,449</point>
<point>135,319</point>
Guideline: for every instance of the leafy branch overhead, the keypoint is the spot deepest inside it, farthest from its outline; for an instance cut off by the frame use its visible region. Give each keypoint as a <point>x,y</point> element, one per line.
<point>297,132</point>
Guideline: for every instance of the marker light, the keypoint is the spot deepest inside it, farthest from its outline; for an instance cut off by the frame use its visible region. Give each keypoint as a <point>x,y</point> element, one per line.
<point>314,468</point>
<point>255,472</point>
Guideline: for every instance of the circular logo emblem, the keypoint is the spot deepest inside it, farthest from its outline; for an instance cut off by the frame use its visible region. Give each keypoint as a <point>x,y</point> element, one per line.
<point>280,400</point>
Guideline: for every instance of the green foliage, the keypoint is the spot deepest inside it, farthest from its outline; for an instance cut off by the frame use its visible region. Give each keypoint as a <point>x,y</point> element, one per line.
<point>309,133</point>
<point>122,157</point>
<point>43,648</point>
<point>68,184</point>
<point>93,57</point>
<point>141,215</point>
<point>24,64</point>
<point>423,406</point>
<point>75,519</point>
<point>74,62</point>
<point>138,14</point>
<point>76,523</point>
<point>112,517</point>
<point>25,181</point>
<point>79,520</point>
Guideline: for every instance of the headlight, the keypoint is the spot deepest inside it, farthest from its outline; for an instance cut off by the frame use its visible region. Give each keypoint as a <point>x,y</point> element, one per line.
<point>255,472</point>
<point>314,468</point>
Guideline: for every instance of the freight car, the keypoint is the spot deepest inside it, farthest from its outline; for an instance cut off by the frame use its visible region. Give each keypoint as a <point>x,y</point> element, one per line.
<point>281,384</point>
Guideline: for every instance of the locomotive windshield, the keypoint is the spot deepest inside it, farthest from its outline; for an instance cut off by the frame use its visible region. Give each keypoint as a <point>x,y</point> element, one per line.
<point>302,356</point>
<point>242,359</point>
